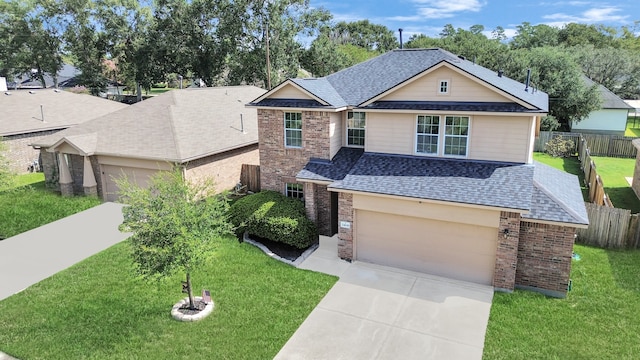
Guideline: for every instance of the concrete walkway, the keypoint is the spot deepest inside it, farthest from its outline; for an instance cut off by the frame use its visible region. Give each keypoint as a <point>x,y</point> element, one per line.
<point>377,312</point>
<point>35,255</point>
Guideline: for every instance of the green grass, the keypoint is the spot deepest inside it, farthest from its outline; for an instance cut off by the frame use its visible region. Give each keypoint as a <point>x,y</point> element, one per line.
<point>613,172</point>
<point>570,165</point>
<point>98,310</point>
<point>598,319</point>
<point>30,205</point>
<point>633,127</point>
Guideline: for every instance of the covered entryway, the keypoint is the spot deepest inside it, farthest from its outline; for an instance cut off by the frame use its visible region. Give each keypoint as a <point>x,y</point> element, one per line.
<point>112,172</point>
<point>438,246</point>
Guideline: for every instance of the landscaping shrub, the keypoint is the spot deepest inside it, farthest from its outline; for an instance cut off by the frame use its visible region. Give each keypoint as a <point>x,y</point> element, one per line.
<point>273,216</point>
<point>559,147</point>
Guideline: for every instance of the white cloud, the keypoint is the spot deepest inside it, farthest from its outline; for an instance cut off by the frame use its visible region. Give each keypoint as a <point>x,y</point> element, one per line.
<point>437,9</point>
<point>594,15</point>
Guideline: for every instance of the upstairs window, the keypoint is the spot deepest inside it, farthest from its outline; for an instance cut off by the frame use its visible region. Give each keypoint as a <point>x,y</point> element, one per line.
<point>428,130</point>
<point>456,135</point>
<point>295,191</point>
<point>355,128</point>
<point>293,129</point>
<point>443,87</point>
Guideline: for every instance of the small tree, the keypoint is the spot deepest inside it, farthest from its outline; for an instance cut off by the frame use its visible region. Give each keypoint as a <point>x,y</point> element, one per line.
<point>175,224</point>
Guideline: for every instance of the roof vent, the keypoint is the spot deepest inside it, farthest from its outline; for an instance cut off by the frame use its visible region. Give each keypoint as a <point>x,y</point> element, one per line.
<point>31,92</point>
<point>56,90</point>
<point>461,57</point>
<point>7,93</point>
<point>500,72</point>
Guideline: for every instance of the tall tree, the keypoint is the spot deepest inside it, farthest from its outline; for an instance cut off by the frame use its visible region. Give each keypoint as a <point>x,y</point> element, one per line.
<point>175,225</point>
<point>599,36</point>
<point>616,69</point>
<point>530,36</point>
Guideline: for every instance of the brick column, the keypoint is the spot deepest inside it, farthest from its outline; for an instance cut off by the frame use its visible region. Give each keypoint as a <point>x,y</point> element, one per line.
<point>345,235</point>
<point>310,201</point>
<point>504,276</point>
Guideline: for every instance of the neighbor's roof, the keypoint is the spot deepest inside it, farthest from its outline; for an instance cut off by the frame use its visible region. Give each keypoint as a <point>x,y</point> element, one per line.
<point>21,112</point>
<point>609,99</point>
<point>356,85</point>
<point>556,197</point>
<point>495,184</point>
<point>177,126</point>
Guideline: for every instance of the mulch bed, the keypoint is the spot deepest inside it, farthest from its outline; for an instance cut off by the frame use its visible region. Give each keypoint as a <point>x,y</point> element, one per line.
<point>285,251</point>
<point>199,306</point>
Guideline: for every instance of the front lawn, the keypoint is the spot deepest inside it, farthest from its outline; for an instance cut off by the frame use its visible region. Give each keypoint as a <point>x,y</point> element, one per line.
<point>30,205</point>
<point>613,172</point>
<point>98,309</point>
<point>598,319</point>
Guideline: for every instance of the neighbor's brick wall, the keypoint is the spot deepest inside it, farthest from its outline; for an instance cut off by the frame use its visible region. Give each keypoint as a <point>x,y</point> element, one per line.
<point>345,236</point>
<point>19,153</point>
<point>544,257</point>
<point>223,168</point>
<point>504,276</point>
<point>279,165</point>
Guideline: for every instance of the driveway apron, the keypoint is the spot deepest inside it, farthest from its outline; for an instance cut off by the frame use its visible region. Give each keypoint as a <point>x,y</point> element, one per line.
<point>377,312</point>
<point>35,255</point>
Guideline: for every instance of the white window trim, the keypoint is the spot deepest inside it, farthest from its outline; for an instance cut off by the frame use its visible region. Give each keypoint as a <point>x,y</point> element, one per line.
<point>440,92</point>
<point>346,130</point>
<point>441,136</point>
<point>286,190</point>
<point>284,123</point>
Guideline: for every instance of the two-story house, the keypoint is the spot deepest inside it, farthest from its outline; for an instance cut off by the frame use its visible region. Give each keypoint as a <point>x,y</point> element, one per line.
<point>422,160</point>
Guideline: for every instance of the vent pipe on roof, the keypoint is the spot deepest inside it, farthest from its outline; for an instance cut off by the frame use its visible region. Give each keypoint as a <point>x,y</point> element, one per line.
<point>526,84</point>
<point>42,112</point>
<point>242,124</point>
<point>500,72</point>
<point>400,31</point>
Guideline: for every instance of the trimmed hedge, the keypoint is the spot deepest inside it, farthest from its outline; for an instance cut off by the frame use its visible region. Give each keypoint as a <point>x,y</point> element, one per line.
<point>273,216</point>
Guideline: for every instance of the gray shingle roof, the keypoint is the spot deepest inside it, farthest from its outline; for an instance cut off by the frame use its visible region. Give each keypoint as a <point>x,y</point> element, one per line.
<point>355,85</point>
<point>292,103</point>
<point>503,185</point>
<point>449,106</point>
<point>177,126</point>
<point>556,197</point>
<point>336,169</point>
<point>609,99</point>
<point>20,112</point>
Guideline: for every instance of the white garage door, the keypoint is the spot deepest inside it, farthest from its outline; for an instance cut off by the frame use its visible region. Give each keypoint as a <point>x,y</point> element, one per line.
<point>454,250</point>
<point>110,173</point>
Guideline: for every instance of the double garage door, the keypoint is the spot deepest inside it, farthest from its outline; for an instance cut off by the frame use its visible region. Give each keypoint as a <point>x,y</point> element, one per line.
<point>112,172</point>
<point>450,249</point>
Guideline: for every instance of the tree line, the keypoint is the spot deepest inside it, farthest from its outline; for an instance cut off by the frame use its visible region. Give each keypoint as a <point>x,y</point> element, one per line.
<point>226,42</point>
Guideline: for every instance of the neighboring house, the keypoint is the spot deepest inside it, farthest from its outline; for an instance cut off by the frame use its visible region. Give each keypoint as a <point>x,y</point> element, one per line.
<point>66,77</point>
<point>422,160</point>
<point>27,116</point>
<point>610,119</point>
<point>207,131</point>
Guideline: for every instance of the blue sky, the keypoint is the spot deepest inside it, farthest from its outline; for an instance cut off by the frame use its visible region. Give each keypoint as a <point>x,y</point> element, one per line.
<point>429,16</point>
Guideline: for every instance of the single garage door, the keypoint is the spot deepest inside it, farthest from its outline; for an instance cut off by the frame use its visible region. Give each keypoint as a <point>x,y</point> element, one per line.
<point>112,172</point>
<point>454,250</point>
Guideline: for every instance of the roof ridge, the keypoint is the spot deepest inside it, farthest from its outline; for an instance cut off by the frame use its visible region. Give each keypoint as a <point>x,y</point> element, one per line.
<point>559,202</point>
<point>172,124</point>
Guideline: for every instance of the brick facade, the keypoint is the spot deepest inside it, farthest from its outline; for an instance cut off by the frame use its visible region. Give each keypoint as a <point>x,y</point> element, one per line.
<point>280,165</point>
<point>345,235</point>
<point>507,251</point>
<point>19,153</point>
<point>544,258</point>
<point>223,168</point>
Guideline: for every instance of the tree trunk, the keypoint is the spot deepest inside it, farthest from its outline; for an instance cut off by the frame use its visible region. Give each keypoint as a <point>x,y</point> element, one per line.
<point>191,301</point>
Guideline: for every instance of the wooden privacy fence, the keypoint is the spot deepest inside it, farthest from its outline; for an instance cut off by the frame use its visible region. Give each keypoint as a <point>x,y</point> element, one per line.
<point>599,145</point>
<point>610,228</point>
<point>250,177</point>
<point>591,177</point>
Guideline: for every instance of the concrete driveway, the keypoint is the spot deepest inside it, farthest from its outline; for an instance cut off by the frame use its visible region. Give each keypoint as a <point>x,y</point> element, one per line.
<point>35,255</point>
<point>377,312</point>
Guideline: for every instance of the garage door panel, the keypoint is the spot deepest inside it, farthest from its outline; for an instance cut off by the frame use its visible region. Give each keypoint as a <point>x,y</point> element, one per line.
<point>456,250</point>
<point>110,173</point>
